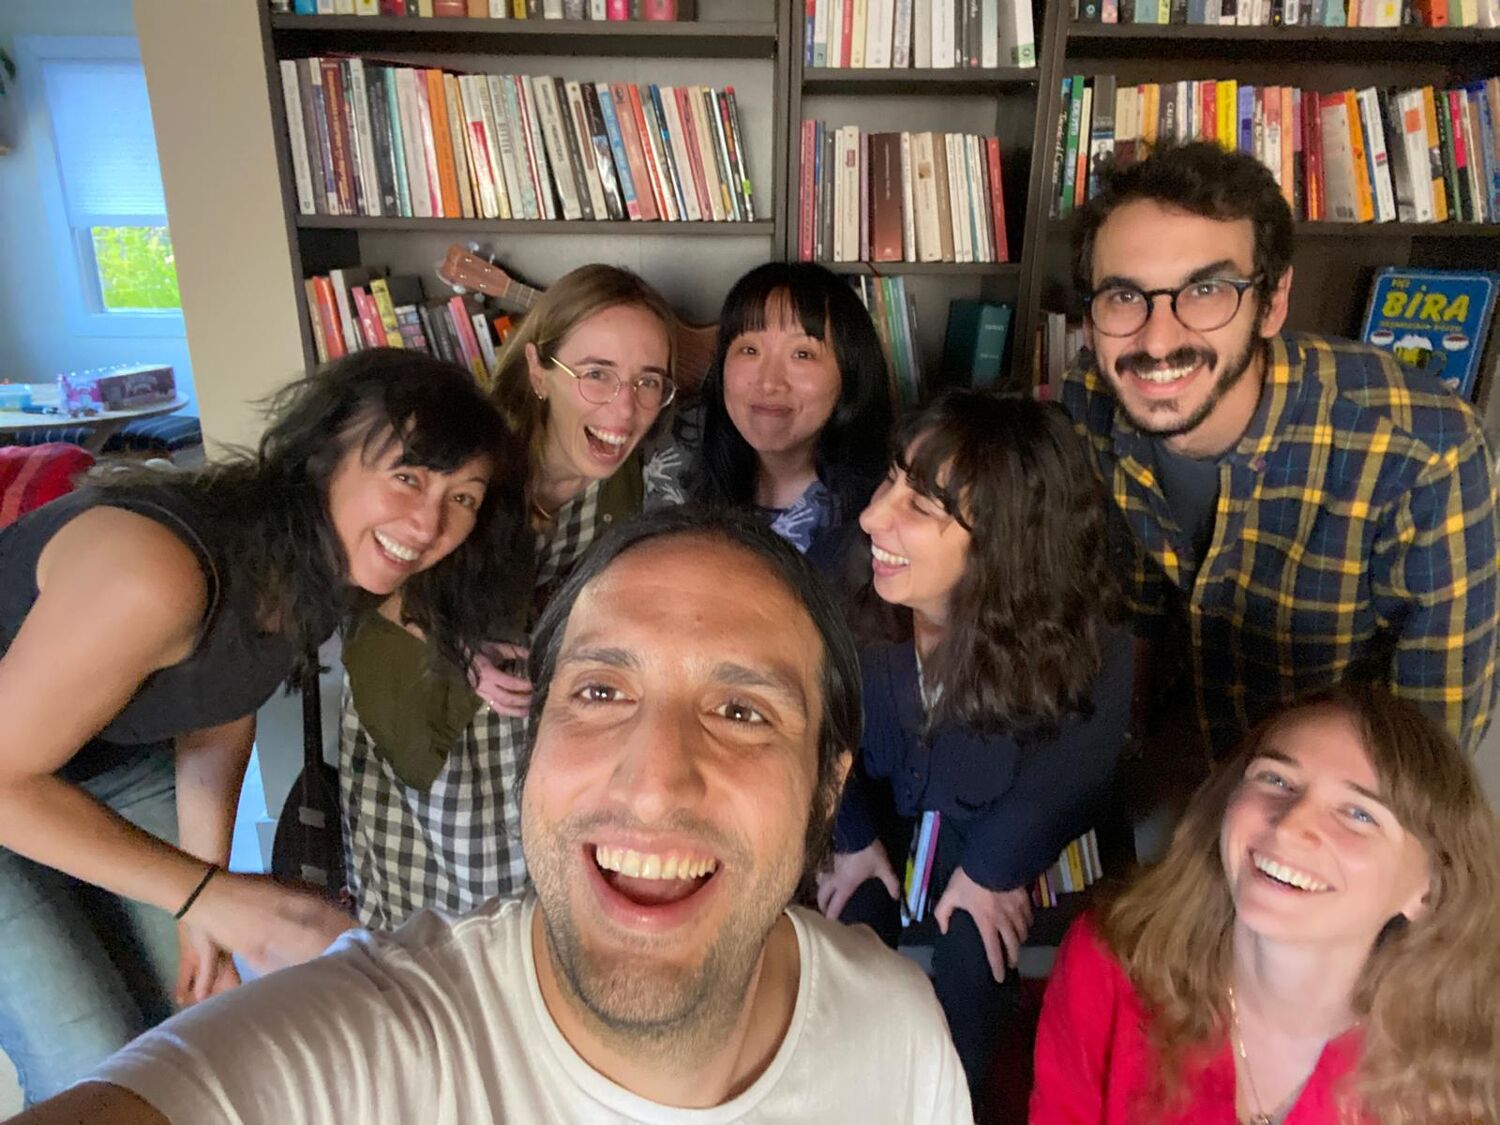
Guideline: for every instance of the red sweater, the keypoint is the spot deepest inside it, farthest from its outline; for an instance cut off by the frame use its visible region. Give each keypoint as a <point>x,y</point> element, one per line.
<point>1094,1064</point>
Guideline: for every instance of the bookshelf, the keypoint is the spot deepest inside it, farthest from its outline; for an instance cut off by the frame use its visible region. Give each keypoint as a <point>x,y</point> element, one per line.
<point>757,46</point>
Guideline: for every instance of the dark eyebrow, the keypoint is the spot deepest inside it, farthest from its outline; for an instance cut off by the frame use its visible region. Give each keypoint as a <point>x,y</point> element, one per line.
<point>610,657</point>
<point>1222,268</point>
<point>1281,756</point>
<point>768,679</point>
<point>600,361</point>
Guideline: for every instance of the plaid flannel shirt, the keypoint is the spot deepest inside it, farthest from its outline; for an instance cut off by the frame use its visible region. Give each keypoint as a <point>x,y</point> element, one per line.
<point>1355,533</point>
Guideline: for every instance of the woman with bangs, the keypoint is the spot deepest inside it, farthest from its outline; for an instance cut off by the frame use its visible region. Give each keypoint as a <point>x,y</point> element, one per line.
<point>1320,945</point>
<point>143,621</point>
<point>795,411</point>
<point>428,750</point>
<point>991,735</point>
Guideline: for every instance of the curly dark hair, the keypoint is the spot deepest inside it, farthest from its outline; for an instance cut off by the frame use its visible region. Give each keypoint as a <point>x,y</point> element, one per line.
<point>850,454</point>
<point>269,508</point>
<point>1202,179</point>
<point>1038,598</point>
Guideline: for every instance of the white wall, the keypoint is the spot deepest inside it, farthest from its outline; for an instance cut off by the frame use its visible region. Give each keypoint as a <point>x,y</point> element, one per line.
<point>35,343</point>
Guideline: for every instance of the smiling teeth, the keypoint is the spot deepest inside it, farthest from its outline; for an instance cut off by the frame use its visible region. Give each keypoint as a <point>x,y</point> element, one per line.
<point>887,558</point>
<point>628,861</point>
<point>396,550</point>
<point>1167,374</point>
<point>1290,875</point>
<point>607,438</point>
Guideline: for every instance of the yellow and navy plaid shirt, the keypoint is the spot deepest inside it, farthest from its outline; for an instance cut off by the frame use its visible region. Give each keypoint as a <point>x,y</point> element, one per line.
<point>1355,532</point>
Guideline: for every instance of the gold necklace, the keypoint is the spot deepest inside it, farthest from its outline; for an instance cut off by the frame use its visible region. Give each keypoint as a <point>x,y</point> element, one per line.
<point>1258,1116</point>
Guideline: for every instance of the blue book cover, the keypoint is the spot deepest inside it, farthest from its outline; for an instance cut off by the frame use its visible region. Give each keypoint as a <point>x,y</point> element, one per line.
<point>1433,321</point>
<point>617,147</point>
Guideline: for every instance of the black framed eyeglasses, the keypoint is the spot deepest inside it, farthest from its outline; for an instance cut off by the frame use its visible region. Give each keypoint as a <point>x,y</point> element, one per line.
<point>601,386</point>
<point>1201,306</point>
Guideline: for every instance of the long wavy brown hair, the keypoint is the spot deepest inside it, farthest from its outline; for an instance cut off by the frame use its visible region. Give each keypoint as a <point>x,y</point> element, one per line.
<point>1038,598</point>
<point>1428,999</point>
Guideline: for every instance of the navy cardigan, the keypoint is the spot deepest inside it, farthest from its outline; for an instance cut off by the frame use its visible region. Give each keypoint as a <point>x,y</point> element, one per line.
<point>1021,801</point>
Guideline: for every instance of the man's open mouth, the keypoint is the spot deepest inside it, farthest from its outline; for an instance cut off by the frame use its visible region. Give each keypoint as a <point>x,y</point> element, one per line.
<point>653,878</point>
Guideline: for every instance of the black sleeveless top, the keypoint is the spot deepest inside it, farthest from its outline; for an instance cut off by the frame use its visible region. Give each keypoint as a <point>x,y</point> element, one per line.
<point>232,670</point>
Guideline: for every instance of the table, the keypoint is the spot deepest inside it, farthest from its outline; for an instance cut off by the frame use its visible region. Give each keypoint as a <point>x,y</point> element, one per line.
<point>101,427</point>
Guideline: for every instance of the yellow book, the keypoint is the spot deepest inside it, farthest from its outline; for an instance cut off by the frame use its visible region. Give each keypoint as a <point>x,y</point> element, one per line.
<point>1227,115</point>
<point>381,292</point>
<point>857,36</point>
<point>1439,185</point>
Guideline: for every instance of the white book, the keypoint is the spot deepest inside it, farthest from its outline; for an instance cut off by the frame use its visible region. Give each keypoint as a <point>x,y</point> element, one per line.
<point>1478,189</point>
<point>552,9</point>
<point>423,112</point>
<point>921,35</point>
<point>958,211</point>
<point>579,119</point>
<point>552,124</point>
<point>858,32</point>
<point>1386,13</point>
<point>487,144</point>
<point>1409,162</point>
<point>1017,34</point>
<point>979,200</point>
<point>1488,15</point>
<point>820,33</point>
<point>411,134</point>
<point>297,137</point>
<point>924,189</point>
<point>836,31</point>
<point>367,7</point>
<point>514,187</point>
<point>1376,155</point>
<point>343,7</point>
<point>677,137</point>
<point>1213,12</point>
<point>702,130</point>
<point>598,10</point>
<point>1339,190</point>
<point>880,30</point>
<point>341,281</point>
<point>989,34</point>
<point>908,204</point>
<point>845,181</point>
<point>325,8</point>
<point>944,42</point>
<point>499,9</point>
<point>523,111</point>
<point>363,138</point>
<point>1185,107</point>
<point>901,37</point>
<point>475,131</point>
<point>666,196</point>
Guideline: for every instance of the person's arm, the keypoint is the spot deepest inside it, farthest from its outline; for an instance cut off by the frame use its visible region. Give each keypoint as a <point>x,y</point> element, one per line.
<point>1437,554</point>
<point>1058,785</point>
<point>1072,1049</point>
<point>92,1103</point>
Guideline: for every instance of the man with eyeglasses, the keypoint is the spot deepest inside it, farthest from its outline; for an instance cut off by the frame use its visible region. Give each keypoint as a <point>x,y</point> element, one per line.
<point>1303,509</point>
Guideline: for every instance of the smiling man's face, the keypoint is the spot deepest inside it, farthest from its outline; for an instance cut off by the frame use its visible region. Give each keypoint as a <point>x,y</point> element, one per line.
<point>666,805</point>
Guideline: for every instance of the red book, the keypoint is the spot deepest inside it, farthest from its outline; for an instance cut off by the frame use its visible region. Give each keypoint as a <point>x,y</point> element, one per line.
<point>393,7</point>
<point>1312,157</point>
<point>807,195</point>
<point>997,198</point>
<point>1433,13</point>
<point>884,171</point>
<point>328,315</point>
<point>617,9</point>
<point>635,153</point>
<point>1208,110</point>
<point>666,209</point>
<point>846,35</point>
<point>695,158</point>
<point>335,107</point>
<point>458,312</point>
<point>370,326</point>
<point>659,9</point>
<point>455,9</point>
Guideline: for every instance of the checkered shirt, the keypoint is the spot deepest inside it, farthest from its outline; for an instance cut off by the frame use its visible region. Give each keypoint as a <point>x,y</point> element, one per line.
<point>1355,534</point>
<point>458,843</point>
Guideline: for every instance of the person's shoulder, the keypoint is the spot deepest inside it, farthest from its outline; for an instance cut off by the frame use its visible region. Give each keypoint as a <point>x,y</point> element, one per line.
<point>490,931</point>
<point>1373,392</point>
<point>861,982</point>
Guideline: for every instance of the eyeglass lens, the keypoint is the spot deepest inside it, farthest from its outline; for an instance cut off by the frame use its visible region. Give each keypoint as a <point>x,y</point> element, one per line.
<point>1122,310</point>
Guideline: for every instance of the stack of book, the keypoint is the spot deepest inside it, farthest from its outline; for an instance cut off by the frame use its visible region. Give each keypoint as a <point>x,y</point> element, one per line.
<point>895,317</point>
<point>937,34</point>
<point>1418,155</point>
<point>496,9</point>
<point>899,197</point>
<point>1293,13</point>
<point>370,139</point>
<point>359,307</point>
<point>1077,869</point>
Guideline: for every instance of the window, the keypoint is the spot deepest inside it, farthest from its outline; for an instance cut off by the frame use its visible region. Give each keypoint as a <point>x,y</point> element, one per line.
<point>91,113</point>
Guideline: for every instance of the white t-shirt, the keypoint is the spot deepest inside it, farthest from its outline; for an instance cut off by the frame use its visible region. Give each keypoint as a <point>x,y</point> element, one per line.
<point>443,1023</point>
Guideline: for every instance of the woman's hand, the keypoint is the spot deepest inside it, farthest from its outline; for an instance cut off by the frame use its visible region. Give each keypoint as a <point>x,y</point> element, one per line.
<point>203,969</point>
<point>1002,916</point>
<point>506,694</point>
<point>269,924</point>
<point>850,869</point>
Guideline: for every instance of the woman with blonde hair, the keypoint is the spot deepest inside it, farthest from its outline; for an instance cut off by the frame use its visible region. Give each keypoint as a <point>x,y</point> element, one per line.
<point>428,753</point>
<point>1320,944</point>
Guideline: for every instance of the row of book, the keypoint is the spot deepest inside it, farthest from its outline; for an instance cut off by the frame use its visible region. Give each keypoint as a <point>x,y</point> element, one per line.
<point>899,197</point>
<point>1077,869</point>
<point>1293,13</point>
<point>895,315</point>
<point>369,139</point>
<point>496,9</point>
<point>1419,155</point>
<point>359,307</point>
<point>935,34</point>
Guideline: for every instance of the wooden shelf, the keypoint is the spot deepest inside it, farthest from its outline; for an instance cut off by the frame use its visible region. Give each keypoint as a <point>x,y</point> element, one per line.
<point>913,83</point>
<point>643,39</point>
<point>926,269</point>
<point>1383,46</point>
<point>1305,229</point>
<point>758,229</point>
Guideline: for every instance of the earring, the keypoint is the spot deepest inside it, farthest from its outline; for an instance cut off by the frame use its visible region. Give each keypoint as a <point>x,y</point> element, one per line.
<point>539,396</point>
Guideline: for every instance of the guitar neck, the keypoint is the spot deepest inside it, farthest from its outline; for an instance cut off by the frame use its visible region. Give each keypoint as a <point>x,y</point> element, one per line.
<point>518,294</point>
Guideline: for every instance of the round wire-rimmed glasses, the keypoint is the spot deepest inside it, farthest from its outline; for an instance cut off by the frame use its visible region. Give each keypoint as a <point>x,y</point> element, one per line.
<point>1200,306</point>
<point>601,386</point>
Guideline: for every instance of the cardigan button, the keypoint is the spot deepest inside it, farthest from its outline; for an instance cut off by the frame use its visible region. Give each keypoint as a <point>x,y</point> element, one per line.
<point>608,518</point>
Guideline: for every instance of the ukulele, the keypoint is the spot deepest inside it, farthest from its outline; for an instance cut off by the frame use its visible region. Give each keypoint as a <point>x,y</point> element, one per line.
<point>464,269</point>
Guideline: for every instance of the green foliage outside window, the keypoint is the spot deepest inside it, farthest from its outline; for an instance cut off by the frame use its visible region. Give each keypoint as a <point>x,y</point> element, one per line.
<point>137,269</point>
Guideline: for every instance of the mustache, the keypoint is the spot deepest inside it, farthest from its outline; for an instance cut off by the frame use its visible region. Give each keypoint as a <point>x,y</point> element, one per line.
<point>1133,363</point>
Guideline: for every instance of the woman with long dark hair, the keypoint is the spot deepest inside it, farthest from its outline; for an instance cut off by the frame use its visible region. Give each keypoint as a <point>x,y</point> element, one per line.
<point>795,410</point>
<point>991,735</point>
<point>428,756</point>
<point>142,623</point>
<point>1320,946</point>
